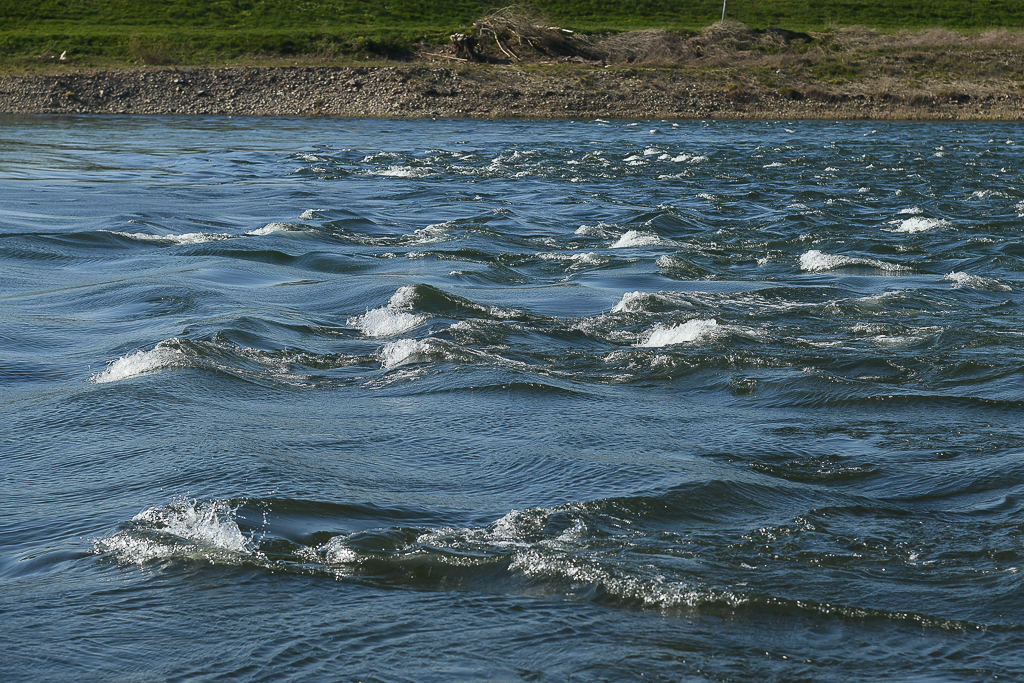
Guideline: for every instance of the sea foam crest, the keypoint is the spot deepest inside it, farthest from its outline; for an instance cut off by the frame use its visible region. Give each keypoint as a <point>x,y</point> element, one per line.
<point>636,238</point>
<point>919,224</point>
<point>391,319</point>
<point>815,261</point>
<point>184,528</point>
<point>691,331</point>
<point>602,229</point>
<point>405,171</point>
<point>403,351</point>
<point>163,355</point>
<point>557,558</point>
<point>631,302</point>
<point>975,282</point>
<point>186,238</point>
<point>577,260</point>
<point>269,229</point>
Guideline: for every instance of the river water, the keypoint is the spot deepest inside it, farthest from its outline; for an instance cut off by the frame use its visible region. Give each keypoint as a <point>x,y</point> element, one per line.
<point>306,399</point>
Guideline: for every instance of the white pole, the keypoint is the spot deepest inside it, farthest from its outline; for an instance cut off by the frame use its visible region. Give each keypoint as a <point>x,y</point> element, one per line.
<point>723,10</point>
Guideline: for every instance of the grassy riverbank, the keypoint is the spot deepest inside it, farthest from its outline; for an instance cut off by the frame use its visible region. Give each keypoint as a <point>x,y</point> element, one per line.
<point>123,33</point>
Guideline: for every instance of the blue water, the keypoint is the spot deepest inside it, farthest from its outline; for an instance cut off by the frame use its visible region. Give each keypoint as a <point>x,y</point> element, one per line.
<point>307,399</point>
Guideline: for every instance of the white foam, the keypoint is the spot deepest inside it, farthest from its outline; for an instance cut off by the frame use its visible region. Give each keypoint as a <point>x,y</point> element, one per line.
<point>919,224</point>
<point>403,351</point>
<point>975,282</point>
<point>134,364</point>
<point>403,298</point>
<point>815,261</point>
<point>636,238</point>
<point>600,230</point>
<point>577,260</point>
<point>391,319</point>
<point>183,528</point>
<point>914,210</point>
<point>310,214</point>
<point>384,322</point>
<point>405,171</point>
<point>631,302</point>
<point>212,522</point>
<point>692,330</point>
<point>335,551</point>
<point>433,233</point>
<point>269,229</point>
<point>379,156</point>
<point>186,238</point>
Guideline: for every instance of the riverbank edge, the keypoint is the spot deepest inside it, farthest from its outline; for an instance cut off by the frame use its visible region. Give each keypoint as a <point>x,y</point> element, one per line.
<point>500,92</point>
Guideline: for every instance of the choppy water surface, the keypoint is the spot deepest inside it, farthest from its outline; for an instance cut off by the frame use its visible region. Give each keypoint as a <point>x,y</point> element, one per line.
<point>458,400</point>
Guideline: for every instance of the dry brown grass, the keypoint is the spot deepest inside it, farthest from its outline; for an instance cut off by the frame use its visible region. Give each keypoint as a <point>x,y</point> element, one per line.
<point>841,57</point>
<point>653,47</point>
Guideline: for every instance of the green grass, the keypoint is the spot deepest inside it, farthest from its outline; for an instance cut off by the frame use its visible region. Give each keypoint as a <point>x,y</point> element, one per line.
<point>211,31</point>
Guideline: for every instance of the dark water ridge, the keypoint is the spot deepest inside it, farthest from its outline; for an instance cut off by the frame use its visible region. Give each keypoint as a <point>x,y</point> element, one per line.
<point>384,400</point>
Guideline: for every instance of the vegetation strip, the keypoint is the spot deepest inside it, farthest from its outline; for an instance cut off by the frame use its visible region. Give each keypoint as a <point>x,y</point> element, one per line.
<point>514,64</point>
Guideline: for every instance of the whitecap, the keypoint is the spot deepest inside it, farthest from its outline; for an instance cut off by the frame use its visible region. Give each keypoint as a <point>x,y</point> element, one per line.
<point>405,171</point>
<point>433,233</point>
<point>602,229</point>
<point>815,261</point>
<point>986,194</point>
<point>631,302</point>
<point>183,528</point>
<point>577,260</point>
<point>636,238</point>
<point>919,224</point>
<point>692,330</point>
<point>404,351</point>
<point>975,282</point>
<point>391,319</point>
<point>186,238</point>
<point>163,355</point>
<point>269,229</point>
<point>383,322</point>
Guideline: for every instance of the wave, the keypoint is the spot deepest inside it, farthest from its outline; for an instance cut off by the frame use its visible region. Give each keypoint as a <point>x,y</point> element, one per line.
<point>164,355</point>
<point>919,224</point>
<point>690,331</point>
<point>183,529</point>
<point>404,351</point>
<point>183,239</point>
<point>242,362</point>
<point>393,319</point>
<point>637,238</point>
<point>815,261</point>
<point>642,552</point>
<point>976,282</point>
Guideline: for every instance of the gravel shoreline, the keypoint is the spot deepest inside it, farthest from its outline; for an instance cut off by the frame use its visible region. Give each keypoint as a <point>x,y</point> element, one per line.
<point>473,91</point>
